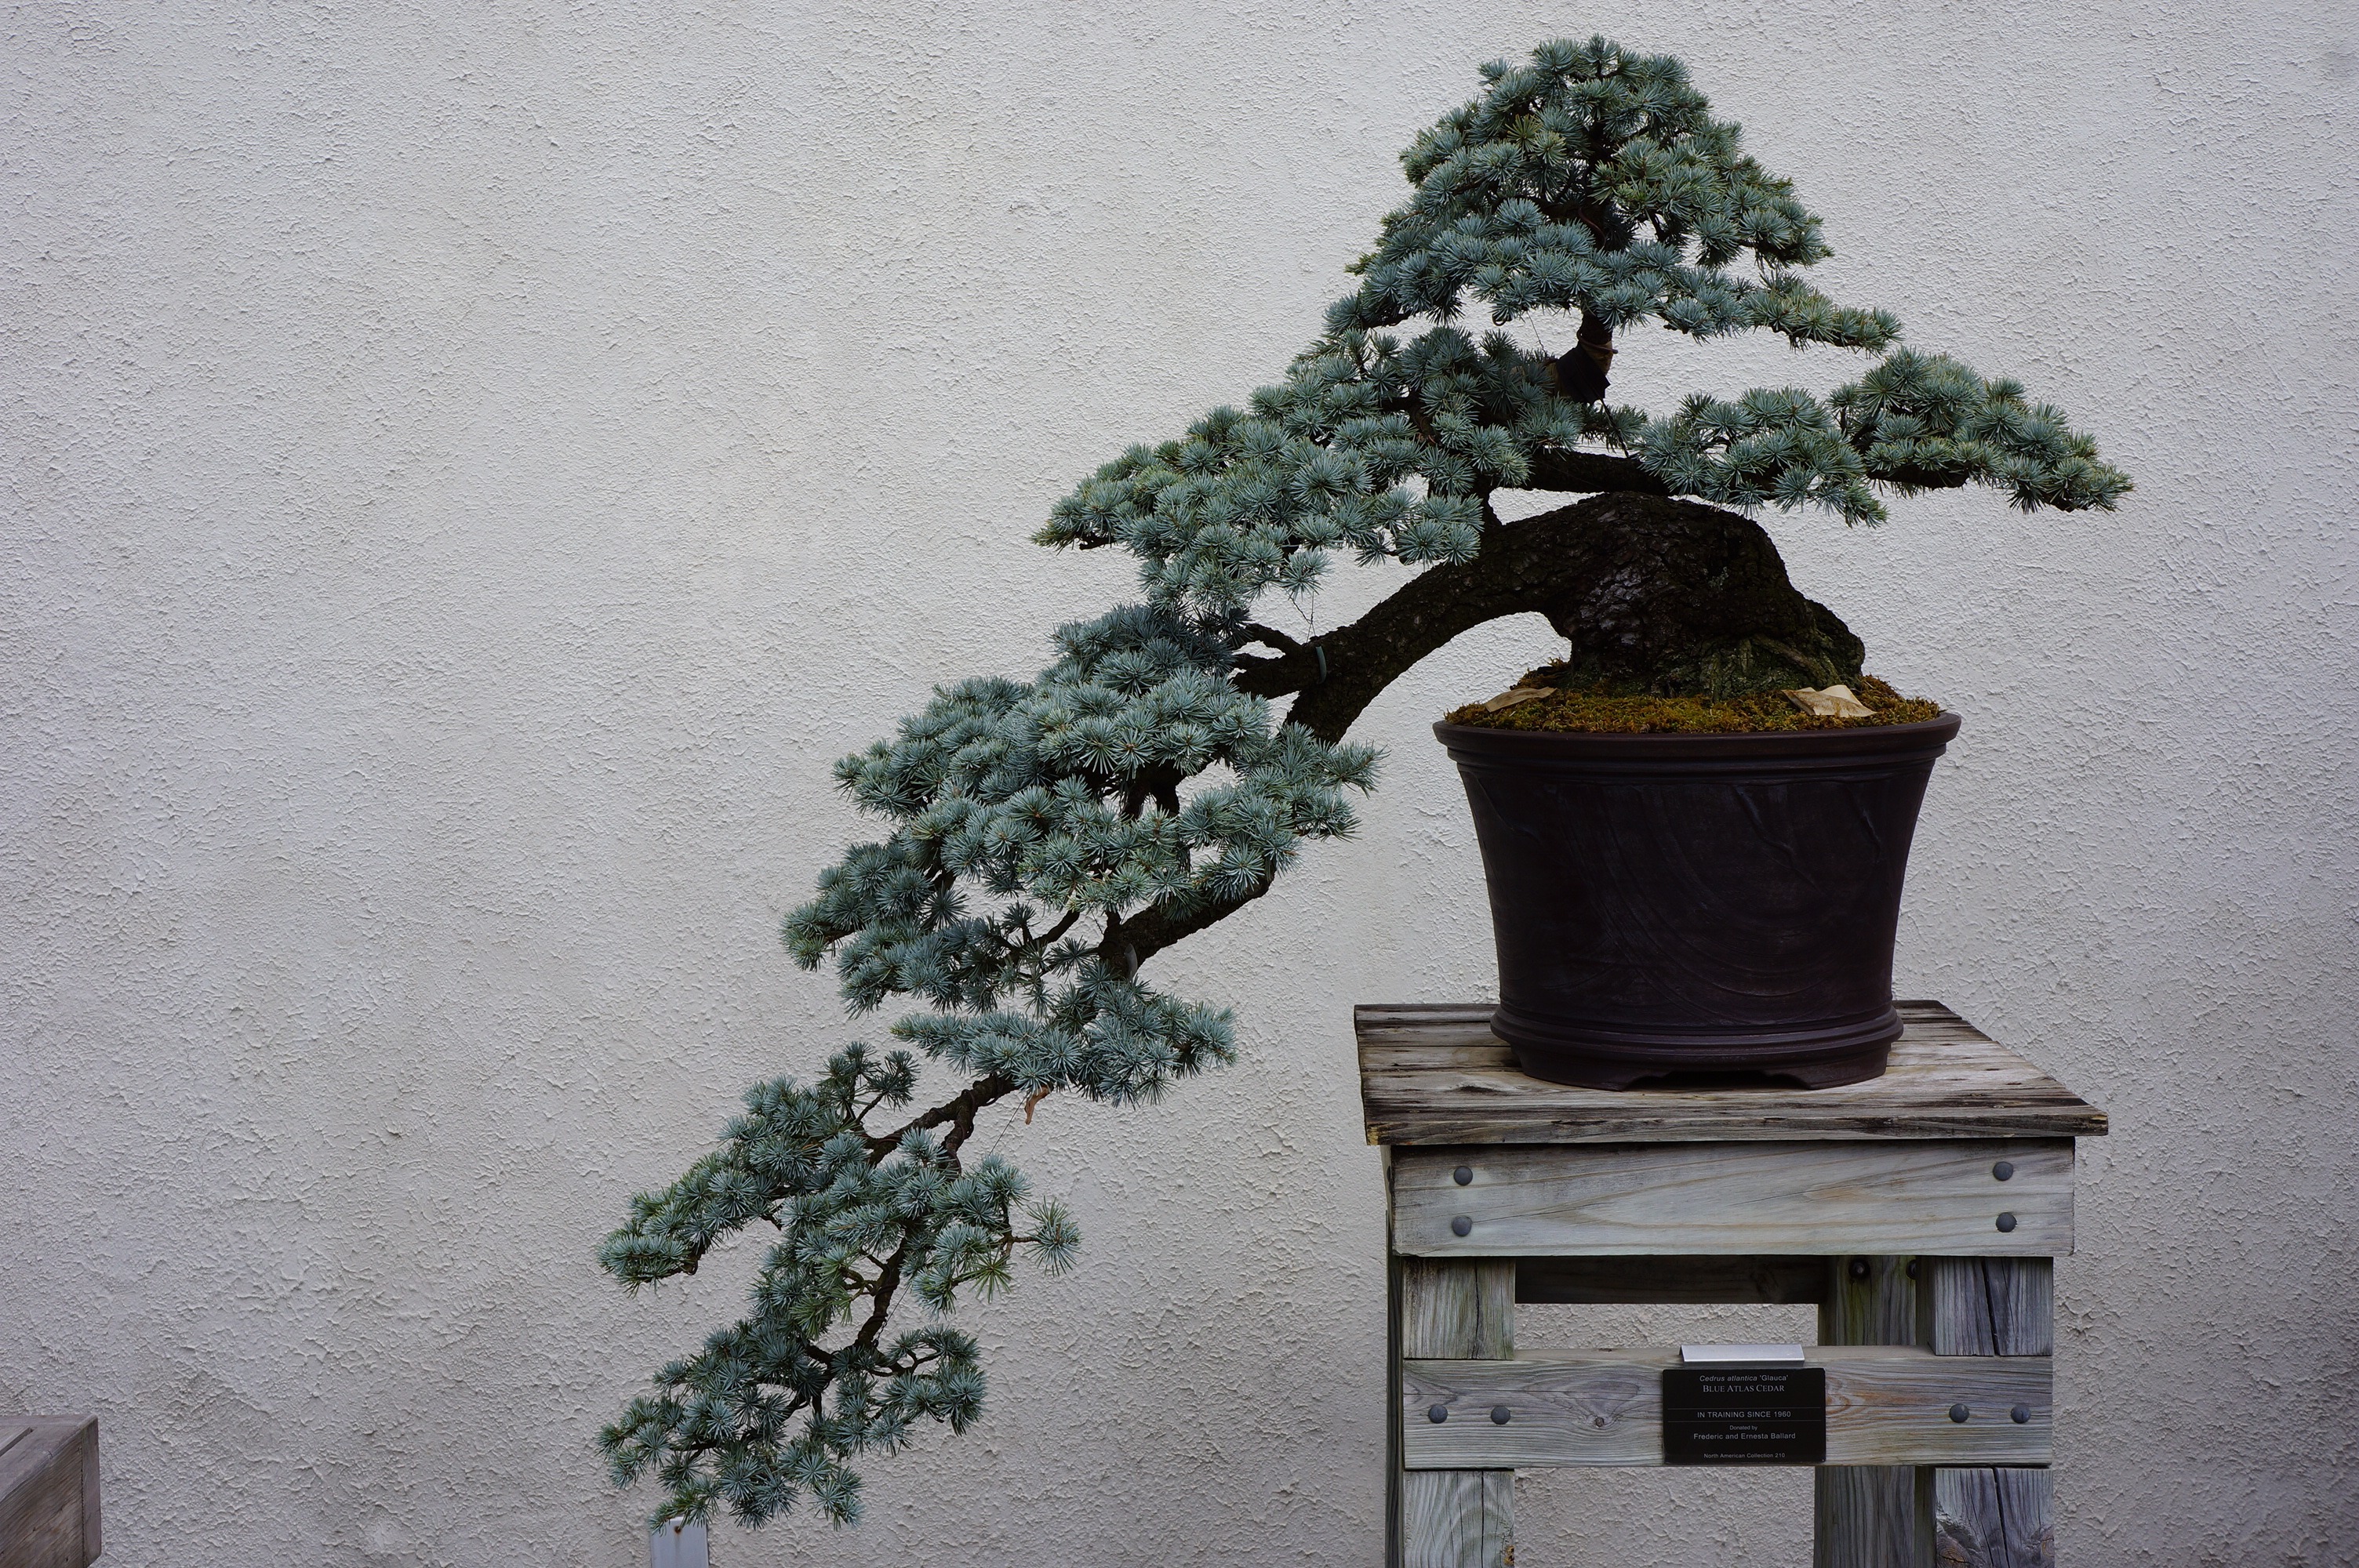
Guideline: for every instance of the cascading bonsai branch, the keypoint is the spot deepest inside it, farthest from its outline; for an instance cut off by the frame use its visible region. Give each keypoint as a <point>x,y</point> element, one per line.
<point>1046,839</point>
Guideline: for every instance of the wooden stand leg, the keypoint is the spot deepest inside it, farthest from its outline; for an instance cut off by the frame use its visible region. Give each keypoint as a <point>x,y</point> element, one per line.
<point>1870,1516</point>
<point>1991,1306</point>
<point>1450,1518</point>
<point>1993,1518</point>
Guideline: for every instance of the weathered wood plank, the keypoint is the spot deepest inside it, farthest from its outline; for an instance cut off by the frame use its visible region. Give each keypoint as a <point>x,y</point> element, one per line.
<point>1990,1306</point>
<point>1562,1282</point>
<point>1393,1015</point>
<point>1436,1074</point>
<point>1457,1519</point>
<point>1393,1469</point>
<point>1428,1050</point>
<point>2003,1308</point>
<point>1926,1197</point>
<point>1869,1301</point>
<point>48,1492</point>
<point>1869,1516</point>
<point>1884,1406</point>
<point>1993,1518</point>
<point>1457,1309</point>
<point>1462,1517</point>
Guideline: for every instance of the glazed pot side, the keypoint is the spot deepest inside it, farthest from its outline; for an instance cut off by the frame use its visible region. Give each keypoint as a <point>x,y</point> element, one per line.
<point>1714,905</point>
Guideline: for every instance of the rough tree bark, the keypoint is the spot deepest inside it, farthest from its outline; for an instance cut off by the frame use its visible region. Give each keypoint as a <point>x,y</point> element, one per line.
<point>1653,594</point>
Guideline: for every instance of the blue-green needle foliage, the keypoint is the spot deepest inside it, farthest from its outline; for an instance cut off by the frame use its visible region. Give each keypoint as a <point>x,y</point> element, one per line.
<point>1028,824</point>
<point>770,1407</point>
<point>1043,837</point>
<point>1589,183</point>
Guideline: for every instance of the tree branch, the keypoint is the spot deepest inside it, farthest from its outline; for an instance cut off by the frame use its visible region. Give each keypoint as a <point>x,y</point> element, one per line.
<point>1922,479</point>
<point>1158,926</point>
<point>1270,636</point>
<point>1522,569</point>
<point>959,1110</point>
<point>1592,473</point>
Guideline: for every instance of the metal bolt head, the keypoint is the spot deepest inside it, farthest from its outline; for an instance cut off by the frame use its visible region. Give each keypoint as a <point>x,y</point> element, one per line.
<point>1437,1413</point>
<point>1463,1175</point>
<point>1859,1268</point>
<point>2019,1415</point>
<point>1959,1412</point>
<point>1463,1225</point>
<point>2005,1222</point>
<point>2004,1169</point>
<point>1501,1415</point>
<point>1912,1268</point>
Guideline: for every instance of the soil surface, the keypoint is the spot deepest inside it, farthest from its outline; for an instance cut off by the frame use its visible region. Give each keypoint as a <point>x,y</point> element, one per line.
<point>1597,709</point>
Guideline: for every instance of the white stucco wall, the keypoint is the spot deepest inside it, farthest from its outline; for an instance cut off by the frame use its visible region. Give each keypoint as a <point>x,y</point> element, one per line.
<point>469,467</point>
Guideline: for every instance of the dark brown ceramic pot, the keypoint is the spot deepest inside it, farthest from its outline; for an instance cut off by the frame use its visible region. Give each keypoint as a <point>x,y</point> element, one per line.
<point>1697,904</point>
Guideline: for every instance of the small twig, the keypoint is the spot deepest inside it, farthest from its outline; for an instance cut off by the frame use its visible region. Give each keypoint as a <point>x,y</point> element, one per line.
<point>1035,1098</point>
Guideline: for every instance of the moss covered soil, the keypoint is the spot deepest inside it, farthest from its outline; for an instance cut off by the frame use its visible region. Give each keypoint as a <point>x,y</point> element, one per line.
<point>1597,709</point>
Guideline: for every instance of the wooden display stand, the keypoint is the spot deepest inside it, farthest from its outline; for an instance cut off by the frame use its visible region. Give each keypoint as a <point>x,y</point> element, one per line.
<point>1920,1212</point>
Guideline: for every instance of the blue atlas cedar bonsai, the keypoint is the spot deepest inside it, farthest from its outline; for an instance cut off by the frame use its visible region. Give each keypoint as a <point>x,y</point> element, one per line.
<point>1047,839</point>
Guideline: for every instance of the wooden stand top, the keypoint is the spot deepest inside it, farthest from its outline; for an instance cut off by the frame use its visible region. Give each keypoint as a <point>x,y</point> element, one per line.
<point>1434,1073</point>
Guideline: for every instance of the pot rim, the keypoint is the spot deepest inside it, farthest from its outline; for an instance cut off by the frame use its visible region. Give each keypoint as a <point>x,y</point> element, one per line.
<point>1540,745</point>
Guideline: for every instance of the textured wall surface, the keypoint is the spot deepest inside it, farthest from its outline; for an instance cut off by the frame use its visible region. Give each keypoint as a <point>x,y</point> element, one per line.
<point>469,468</point>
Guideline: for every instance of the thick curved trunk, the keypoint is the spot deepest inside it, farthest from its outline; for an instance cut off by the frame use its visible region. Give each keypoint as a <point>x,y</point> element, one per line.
<point>1653,594</point>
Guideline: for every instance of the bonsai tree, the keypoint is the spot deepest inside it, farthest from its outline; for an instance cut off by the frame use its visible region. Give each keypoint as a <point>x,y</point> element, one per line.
<point>1043,840</point>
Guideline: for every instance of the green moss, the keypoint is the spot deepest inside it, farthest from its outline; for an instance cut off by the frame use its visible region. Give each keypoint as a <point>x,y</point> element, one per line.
<point>1598,709</point>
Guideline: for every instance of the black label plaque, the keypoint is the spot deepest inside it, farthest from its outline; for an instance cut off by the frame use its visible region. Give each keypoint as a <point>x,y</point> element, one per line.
<point>1740,1413</point>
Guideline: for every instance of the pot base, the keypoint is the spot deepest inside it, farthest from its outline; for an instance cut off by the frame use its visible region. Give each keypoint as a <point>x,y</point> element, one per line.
<point>1599,1059</point>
